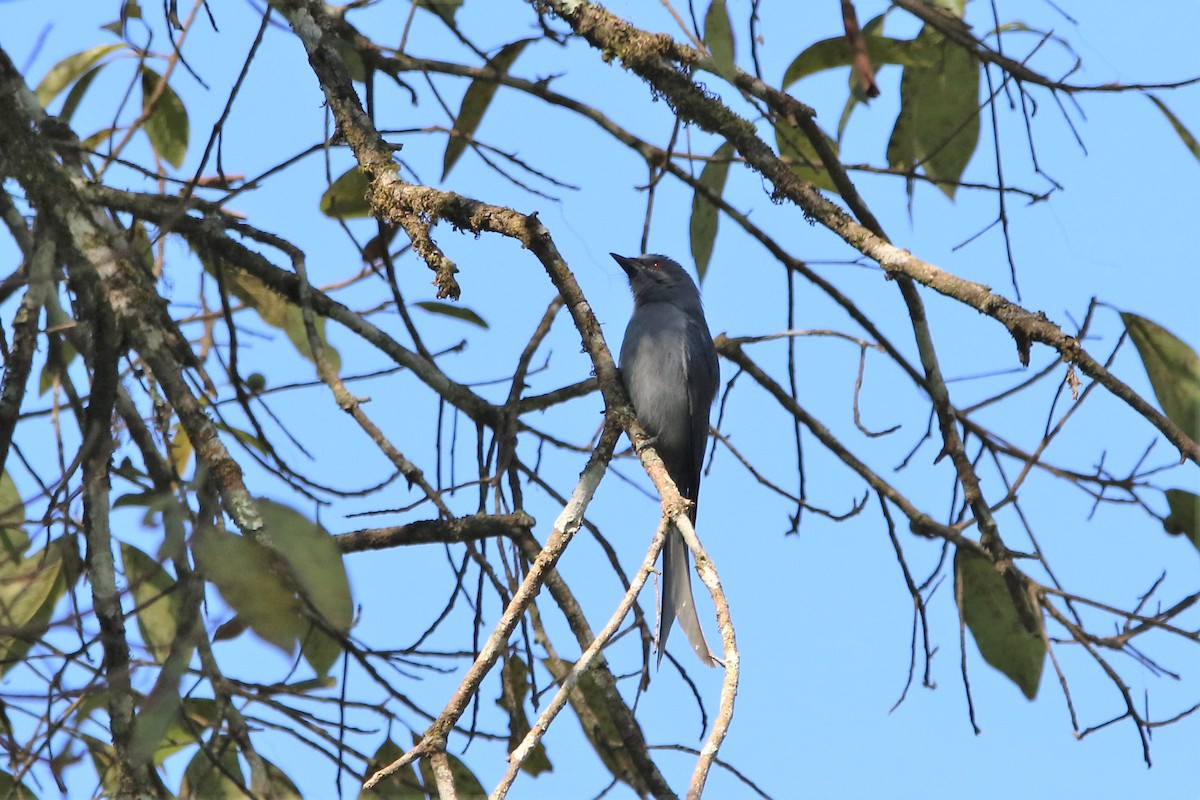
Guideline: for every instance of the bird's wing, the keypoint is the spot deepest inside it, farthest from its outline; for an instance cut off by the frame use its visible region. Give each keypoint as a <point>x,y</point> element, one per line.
<point>701,374</point>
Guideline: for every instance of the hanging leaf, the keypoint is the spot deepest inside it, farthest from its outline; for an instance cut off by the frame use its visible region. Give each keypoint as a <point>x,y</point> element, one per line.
<point>452,310</point>
<point>718,38</point>
<point>833,53</point>
<point>246,576</point>
<point>29,590</point>
<point>475,102</point>
<point>591,707</point>
<point>75,96</point>
<point>937,129</point>
<point>445,9</point>
<point>167,125</point>
<point>1189,141</point>
<point>155,598</point>
<point>1174,371</point>
<point>69,70</point>
<point>986,605</point>
<point>400,785</point>
<point>346,197</point>
<point>14,541</point>
<point>800,155</point>
<point>705,216</point>
<point>205,780</point>
<point>516,687</point>
<point>1185,515</point>
<point>155,715</point>
<point>104,759</point>
<point>317,566</point>
<point>277,311</point>
<point>465,782</point>
<point>12,789</point>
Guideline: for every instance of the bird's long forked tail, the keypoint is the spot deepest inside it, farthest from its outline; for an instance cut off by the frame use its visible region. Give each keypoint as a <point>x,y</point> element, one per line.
<point>678,601</point>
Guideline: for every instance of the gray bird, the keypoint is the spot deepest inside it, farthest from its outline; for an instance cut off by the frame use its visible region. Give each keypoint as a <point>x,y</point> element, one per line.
<point>669,366</point>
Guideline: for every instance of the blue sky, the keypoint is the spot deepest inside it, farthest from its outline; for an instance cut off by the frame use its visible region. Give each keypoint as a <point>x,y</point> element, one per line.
<point>823,617</point>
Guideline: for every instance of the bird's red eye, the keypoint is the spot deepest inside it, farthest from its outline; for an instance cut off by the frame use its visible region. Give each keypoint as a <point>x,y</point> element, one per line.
<point>656,264</point>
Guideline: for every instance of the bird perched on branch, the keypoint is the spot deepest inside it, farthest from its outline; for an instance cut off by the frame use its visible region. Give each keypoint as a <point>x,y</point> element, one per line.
<point>670,370</point>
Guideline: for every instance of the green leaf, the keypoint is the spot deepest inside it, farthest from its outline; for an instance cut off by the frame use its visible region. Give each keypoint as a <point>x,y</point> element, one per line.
<point>1173,369</point>
<point>1189,141</point>
<point>801,156</point>
<point>12,789</point>
<point>516,687</point>
<point>718,38</point>
<point>277,311</point>
<point>443,8</point>
<point>452,310</point>
<point>75,96</point>
<point>194,716</point>
<point>204,780</point>
<point>346,197</point>
<point>14,541</point>
<point>167,126</point>
<point>282,787</point>
<point>705,216</point>
<point>157,602</point>
<point>464,780</point>
<point>400,785</point>
<point>987,606</point>
<point>67,71</point>
<point>475,102</point>
<point>155,716</point>
<point>1184,516</point>
<point>833,53</point>
<point>317,566</point>
<point>29,590</point>
<point>249,580</point>
<point>104,759</point>
<point>590,704</point>
<point>938,125</point>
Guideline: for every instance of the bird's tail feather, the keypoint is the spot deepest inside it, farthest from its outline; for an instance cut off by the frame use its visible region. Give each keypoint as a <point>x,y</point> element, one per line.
<point>677,599</point>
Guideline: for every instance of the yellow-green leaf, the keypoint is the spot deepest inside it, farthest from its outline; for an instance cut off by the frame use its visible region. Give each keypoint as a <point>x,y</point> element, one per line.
<point>346,197</point>
<point>1174,371</point>
<point>317,566</point>
<point>1189,141</point>
<point>155,598</point>
<point>443,8</point>
<point>452,310</point>
<point>12,789</point>
<point>465,782</point>
<point>67,71</point>
<point>277,311</point>
<point>75,96</point>
<point>987,607</point>
<point>801,156</point>
<point>516,687</point>
<point>14,541</point>
<point>718,38</point>
<point>29,590</point>
<point>204,780</point>
<point>475,102</point>
<point>245,575</point>
<point>1185,515</point>
<point>167,125</point>
<point>702,229</point>
<point>400,785</point>
<point>832,53</point>
<point>937,129</point>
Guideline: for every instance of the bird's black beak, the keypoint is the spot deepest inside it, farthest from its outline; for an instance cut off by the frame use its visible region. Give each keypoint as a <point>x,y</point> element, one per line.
<point>627,264</point>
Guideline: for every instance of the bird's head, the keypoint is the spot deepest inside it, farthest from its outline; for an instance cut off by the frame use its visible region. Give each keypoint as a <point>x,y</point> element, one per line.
<point>658,279</point>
